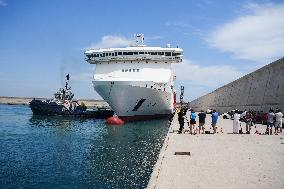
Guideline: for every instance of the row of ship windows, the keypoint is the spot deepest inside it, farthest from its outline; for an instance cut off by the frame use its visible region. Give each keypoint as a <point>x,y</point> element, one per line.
<point>130,70</point>
<point>133,53</point>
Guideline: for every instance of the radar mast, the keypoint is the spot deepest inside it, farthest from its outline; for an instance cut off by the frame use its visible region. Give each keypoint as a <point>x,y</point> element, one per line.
<point>139,39</point>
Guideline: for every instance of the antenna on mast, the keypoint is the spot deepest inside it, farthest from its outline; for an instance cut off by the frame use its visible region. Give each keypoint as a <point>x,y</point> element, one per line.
<point>139,39</point>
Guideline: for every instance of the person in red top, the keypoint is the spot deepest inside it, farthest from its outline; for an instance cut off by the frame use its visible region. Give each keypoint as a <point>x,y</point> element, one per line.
<point>248,119</point>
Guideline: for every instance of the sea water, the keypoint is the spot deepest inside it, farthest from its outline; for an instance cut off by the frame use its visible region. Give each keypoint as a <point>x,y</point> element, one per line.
<point>62,152</point>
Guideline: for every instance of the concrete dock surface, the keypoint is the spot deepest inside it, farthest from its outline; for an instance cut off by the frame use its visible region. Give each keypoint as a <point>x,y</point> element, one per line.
<point>222,160</point>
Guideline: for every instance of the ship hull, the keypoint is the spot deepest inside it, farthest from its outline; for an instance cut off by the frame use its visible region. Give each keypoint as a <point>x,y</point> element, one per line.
<point>133,101</point>
<point>144,117</point>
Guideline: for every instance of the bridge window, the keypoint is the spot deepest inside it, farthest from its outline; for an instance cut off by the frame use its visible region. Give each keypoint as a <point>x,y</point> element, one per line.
<point>153,53</point>
<point>122,70</point>
<point>135,53</point>
<point>137,70</point>
<point>168,54</point>
<point>161,53</point>
<point>119,53</point>
<point>129,70</point>
<point>115,53</point>
<point>141,52</point>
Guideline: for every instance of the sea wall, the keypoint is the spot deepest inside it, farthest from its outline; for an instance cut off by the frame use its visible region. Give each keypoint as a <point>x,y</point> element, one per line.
<point>260,90</point>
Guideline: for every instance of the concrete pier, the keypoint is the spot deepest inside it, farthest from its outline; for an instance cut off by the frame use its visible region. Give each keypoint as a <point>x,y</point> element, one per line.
<point>222,160</point>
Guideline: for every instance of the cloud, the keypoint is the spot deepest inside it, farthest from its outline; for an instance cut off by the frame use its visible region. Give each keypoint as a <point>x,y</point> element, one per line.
<point>109,41</point>
<point>200,80</point>
<point>3,3</point>
<point>206,76</point>
<point>258,35</point>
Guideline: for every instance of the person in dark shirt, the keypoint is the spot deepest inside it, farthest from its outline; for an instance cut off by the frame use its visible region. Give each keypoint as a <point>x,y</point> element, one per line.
<point>201,117</point>
<point>181,121</point>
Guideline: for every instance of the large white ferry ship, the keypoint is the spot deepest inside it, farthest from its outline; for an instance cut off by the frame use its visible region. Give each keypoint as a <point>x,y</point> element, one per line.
<point>136,81</point>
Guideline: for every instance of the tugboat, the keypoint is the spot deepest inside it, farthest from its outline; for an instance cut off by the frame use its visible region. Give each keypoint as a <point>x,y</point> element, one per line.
<point>63,104</point>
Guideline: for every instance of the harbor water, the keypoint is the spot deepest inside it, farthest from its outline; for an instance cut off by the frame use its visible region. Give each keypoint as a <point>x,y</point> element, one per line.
<point>60,152</point>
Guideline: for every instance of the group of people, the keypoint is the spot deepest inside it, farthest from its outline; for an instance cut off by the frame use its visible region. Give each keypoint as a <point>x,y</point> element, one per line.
<point>274,120</point>
<point>248,119</point>
<point>193,129</point>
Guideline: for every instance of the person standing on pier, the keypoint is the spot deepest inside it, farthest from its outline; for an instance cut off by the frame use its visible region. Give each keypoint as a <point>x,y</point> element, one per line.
<point>214,117</point>
<point>236,122</point>
<point>248,120</point>
<point>270,121</point>
<point>181,115</point>
<point>278,121</point>
<point>201,118</point>
<point>192,121</point>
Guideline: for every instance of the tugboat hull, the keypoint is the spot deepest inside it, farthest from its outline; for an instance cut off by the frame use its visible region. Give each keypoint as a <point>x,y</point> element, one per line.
<point>40,107</point>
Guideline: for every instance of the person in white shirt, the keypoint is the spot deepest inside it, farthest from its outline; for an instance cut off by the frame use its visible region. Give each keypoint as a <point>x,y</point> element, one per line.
<point>236,122</point>
<point>278,121</point>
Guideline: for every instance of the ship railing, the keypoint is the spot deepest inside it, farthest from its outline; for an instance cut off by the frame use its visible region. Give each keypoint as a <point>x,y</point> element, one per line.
<point>88,57</point>
<point>132,58</point>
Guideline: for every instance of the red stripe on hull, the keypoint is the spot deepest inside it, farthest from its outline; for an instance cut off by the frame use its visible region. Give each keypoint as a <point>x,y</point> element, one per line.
<point>144,117</point>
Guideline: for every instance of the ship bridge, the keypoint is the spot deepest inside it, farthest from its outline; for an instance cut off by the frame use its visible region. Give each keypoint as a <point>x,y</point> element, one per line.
<point>137,53</point>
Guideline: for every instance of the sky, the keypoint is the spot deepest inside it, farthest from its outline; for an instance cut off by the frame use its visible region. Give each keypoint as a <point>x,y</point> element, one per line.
<point>43,40</point>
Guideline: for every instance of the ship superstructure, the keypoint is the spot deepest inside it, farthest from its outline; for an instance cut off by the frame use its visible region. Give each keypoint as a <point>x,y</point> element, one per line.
<point>136,81</point>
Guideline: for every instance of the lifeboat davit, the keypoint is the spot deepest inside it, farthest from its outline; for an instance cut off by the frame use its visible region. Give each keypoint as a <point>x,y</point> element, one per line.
<point>114,120</point>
